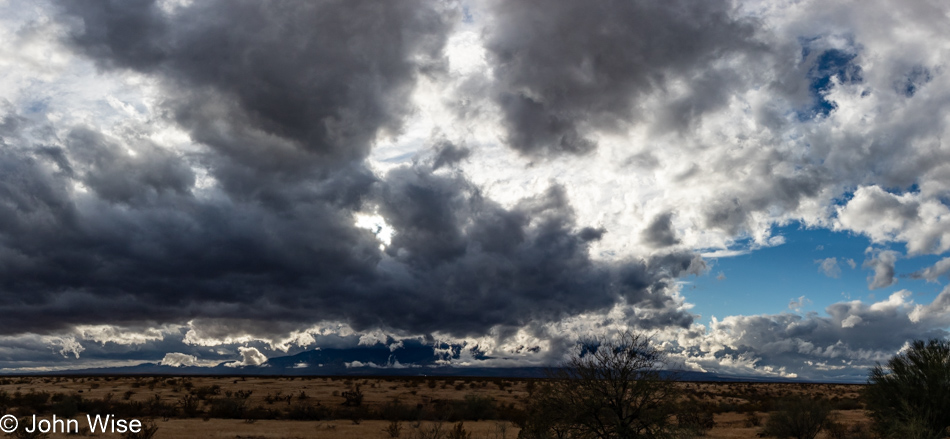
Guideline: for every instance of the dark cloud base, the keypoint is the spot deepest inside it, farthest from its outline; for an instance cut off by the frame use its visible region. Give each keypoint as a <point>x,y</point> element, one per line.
<point>287,100</point>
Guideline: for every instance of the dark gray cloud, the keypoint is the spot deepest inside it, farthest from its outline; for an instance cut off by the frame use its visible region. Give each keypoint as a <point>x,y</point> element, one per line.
<point>140,247</point>
<point>118,176</point>
<point>104,228</point>
<point>660,232</point>
<point>448,154</point>
<point>133,250</point>
<point>287,107</point>
<point>733,210</point>
<point>567,66</point>
<point>517,265</point>
<point>882,262</point>
<point>279,91</point>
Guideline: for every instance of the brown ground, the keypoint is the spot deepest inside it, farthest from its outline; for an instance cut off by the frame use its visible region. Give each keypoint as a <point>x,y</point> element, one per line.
<point>734,403</point>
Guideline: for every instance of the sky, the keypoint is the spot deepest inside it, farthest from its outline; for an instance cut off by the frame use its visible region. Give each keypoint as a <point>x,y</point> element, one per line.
<point>760,186</point>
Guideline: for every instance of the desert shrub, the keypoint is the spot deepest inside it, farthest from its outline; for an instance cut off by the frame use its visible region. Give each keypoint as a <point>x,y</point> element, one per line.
<point>188,405</point>
<point>308,412</point>
<point>798,417</point>
<point>458,432</point>
<point>847,404</point>
<point>910,396</point>
<point>228,408</point>
<point>472,408</point>
<point>66,406</point>
<point>155,407</point>
<point>397,411</point>
<point>127,410</point>
<point>432,431</point>
<point>394,429</point>
<point>205,391</point>
<point>695,419</point>
<point>478,408</point>
<point>33,402</point>
<point>260,412</point>
<point>353,397</point>
<point>835,429</point>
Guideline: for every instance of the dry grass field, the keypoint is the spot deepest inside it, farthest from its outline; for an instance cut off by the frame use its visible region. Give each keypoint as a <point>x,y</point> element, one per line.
<point>314,407</point>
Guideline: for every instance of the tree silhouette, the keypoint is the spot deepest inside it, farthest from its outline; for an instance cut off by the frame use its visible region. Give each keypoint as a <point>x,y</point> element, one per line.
<point>610,388</point>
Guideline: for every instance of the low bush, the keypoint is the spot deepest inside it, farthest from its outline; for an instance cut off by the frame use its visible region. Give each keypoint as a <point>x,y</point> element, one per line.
<point>798,417</point>
<point>228,408</point>
<point>695,420</point>
<point>910,395</point>
<point>308,412</point>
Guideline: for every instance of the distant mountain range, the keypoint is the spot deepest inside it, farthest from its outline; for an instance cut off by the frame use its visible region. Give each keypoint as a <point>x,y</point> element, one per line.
<point>379,360</point>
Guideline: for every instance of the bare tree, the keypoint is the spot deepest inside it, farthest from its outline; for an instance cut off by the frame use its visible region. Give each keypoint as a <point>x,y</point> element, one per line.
<point>612,387</point>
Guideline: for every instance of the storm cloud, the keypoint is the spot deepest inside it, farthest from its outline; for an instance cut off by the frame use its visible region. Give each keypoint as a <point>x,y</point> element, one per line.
<point>557,78</point>
<point>259,225</point>
<point>144,248</point>
<point>226,181</point>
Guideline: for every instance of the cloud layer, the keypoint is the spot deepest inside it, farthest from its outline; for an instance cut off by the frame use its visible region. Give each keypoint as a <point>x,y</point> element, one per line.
<point>181,175</point>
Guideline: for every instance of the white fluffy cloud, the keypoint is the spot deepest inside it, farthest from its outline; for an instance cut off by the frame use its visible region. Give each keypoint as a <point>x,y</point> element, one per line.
<point>843,344</point>
<point>920,222</point>
<point>66,345</point>
<point>249,357</point>
<point>124,335</point>
<point>177,359</point>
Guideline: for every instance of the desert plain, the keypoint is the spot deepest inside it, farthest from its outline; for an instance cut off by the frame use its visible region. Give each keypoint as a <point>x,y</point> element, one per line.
<point>362,407</point>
